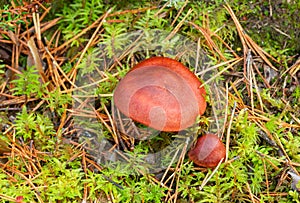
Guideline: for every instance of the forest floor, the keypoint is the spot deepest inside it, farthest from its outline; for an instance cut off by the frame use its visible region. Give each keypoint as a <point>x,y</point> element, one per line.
<point>62,139</point>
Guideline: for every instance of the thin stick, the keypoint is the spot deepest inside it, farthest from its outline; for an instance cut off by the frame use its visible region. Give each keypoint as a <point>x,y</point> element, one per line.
<point>228,131</point>
<point>93,37</point>
<point>208,177</point>
<point>197,56</point>
<point>250,192</point>
<point>249,76</point>
<point>176,29</point>
<point>179,12</point>
<point>219,73</point>
<point>257,89</point>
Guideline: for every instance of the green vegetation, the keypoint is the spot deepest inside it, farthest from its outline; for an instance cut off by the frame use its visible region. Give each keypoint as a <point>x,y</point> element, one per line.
<point>28,83</point>
<point>53,132</point>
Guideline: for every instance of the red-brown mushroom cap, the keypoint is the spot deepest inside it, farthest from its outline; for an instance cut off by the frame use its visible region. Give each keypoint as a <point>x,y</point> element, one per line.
<point>161,93</point>
<point>208,151</point>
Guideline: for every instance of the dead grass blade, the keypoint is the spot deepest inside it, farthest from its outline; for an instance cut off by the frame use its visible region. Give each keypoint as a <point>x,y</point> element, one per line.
<point>37,61</point>
<point>210,42</point>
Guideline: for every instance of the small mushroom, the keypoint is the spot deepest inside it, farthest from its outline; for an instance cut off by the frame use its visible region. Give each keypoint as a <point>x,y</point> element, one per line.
<point>208,151</point>
<point>161,93</point>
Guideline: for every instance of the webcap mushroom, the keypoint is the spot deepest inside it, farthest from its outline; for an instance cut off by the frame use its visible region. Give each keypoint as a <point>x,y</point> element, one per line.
<point>208,151</point>
<point>161,93</point>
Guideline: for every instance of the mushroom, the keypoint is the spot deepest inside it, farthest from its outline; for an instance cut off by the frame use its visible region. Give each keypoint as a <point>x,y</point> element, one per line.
<point>208,151</point>
<point>161,93</point>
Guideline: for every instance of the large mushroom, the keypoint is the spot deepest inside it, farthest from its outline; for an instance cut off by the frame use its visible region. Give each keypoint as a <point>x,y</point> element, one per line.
<point>161,93</point>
